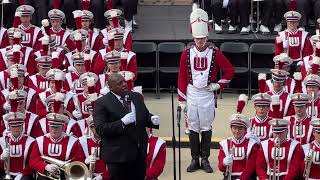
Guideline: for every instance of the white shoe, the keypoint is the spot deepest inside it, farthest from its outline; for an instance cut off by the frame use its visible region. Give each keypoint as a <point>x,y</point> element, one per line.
<point>231,29</point>
<point>217,28</point>
<point>245,30</point>
<point>277,28</point>
<point>128,25</point>
<point>134,22</point>
<point>194,6</point>
<point>264,29</point>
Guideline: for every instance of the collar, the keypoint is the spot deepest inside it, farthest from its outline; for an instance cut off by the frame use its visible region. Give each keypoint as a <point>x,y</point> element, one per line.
<point>201,49</point>
<point>60,29</point>
<point>261,120</point>
<point>238,141</point>
<point>25,28</point>
<point>277,93</point>
<point>96,140</point>
<point>15,139</point>
<point>57,139</point>
<point>118,97</point>
<point>297,119</point>
<point>293,32</point>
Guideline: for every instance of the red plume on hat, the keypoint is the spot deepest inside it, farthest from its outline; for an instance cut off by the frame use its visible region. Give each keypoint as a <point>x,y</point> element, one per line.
<point>78,41</point>
<point>242,101</point>
<point>87,62</point>
<point>58,85</point>
<point>262,82</point>
<point>298,82</point>
<point>46,26</point>
<point>16,54</point>
<point>293,5</point>
<point>56,4</point>
<point>108,4</point>
<point>315,66</point>
<point>86,4</point>
<point>14,105</point>
<point>17,37</point>
<point>14,77</point>
<point>77,18</point>
<point>91,85</point>
<point>45,45</point>
<point>22,2</point>
<point>275,104</point>
<point>111,40</point>
<point>16,20</point>
<point>55,59</point>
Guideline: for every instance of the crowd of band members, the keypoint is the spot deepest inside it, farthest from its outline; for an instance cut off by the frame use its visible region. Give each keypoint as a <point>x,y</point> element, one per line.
<point>50,80</point>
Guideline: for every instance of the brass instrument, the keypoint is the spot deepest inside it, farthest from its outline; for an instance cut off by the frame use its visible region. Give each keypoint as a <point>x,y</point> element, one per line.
<point>312,105</point>
<point>94,152</point>
<point>276,161</point>
<point>229,168</point>
<point>254,28</point>
<point>308,163</point>
<point>7,162</point>
<point>75,170</point>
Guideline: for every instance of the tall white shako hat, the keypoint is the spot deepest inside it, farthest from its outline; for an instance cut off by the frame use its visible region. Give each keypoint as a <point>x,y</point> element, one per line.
<point>199,23</point>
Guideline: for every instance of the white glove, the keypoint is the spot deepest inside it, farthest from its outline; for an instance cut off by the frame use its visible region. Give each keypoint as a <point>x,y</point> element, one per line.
<point>97,177</point>
<point>129,118</point>
<point>183,105</point>
<point>253,136</point>
<point>128,75</point>
<point>51,168</point>
<point>5,154</point>
<point>18,177</point>
<point>104,90</point>
<point>71,69</point>
<point>155,120</point>
<point>90,159</point>
<point>55,55</point>
<point>7,106</point>
<point>227,161</point>
<point>76,114</point>
<point>213,87</point>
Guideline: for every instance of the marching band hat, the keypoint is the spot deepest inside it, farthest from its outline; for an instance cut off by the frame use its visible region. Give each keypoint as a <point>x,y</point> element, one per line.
<point>279,75</point>
<point>112,57</point>
<point>239,120</point>
<point>116,33</point>
<point>292,16</point>
<point>312,80</point>
<point>86,15</point>
<point>199,23</point>
<point>57,119</point>
<point>56,14</point>
<point>261,99</point>
<point>279,125</point>
<point>112,13</point>
<point>300,99</point>
<point>14,118</point>
<point>55,75</point>
<point>315,123</point>
<point>88,79</point>
<point>78,58</point>
<point>25,10</point>
<point>282,60</point>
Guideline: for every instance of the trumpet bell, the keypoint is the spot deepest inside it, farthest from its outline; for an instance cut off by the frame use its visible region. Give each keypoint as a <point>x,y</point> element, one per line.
<point>5,2</point>
<point>76,170</point>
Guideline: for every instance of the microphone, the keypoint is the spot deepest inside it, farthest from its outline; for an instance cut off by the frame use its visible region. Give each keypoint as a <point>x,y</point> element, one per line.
<point>127,102</point>
<point>178,113</point>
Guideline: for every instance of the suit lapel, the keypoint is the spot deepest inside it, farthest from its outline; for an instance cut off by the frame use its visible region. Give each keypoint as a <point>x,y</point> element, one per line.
<point>118,105</point>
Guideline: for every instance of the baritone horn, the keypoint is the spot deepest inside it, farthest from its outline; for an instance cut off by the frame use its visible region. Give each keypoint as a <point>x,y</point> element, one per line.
<point>7,163</point>
<point>308,163</point>
<point>276,161</point>
<point>75,170</point>
<point>94,152</point>
<point>254,25</point>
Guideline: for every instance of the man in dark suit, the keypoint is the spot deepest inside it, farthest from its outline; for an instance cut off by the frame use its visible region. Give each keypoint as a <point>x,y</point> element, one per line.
<point>120,119</point>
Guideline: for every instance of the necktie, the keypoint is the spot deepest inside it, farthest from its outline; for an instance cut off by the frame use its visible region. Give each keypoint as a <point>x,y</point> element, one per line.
<point>126,104</point>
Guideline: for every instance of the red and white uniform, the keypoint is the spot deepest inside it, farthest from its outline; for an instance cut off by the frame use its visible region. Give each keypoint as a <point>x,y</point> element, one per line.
<point>32,36</point>
<point>72,128</point>
<point>82,97</point>
<point>300,131</point>
<point>314,169</point>
<point>127,37</point>
<point>156,157</point>
<point>92,54</point>
<point>41,103</point>
<point>290,156</point>
<point>298,44</point>
<point>31,98</point>
<point>38,82</point>
<point>260,127</point>
<point>19,155</point>
<point>4,38</point>
<point>197,70</point>
<point>244,156</point>
<point>87,143</point>
<point>306,66</point>
<point>63,39</point>
<point>95,41</point>
<point>315,110</point>
<point>288,88</point>
<point>56,63</point>
<point>103,82</point>
<point>72,82</point>
<point>64,149</point>
<point>286,107</point>
<point>4,80</point>
<point>128,64</point>
<point>27,60</point>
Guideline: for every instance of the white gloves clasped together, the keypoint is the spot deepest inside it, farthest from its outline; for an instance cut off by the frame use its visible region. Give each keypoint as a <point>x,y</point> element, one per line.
<point>51,168</point>
<point>213,87</point>
<point>227,161</point>
<point>5,154</point>
<point>90,160</point>
<point>131,118</point>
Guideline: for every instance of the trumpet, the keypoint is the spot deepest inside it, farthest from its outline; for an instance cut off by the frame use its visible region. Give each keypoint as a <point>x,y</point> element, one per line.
<point>75,170</point>
<point>229,168</point>
<point>94,152</point>
<point>7,163</point>
<point>312,105</point>
<point>308,163</point>
<point>276,161</point>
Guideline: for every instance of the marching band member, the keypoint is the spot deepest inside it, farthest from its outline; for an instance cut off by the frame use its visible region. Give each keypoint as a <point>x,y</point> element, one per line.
<point>313,58</point>
<point>17,81</point>
<point>280,156</point>
<point>259,124</point>
<point>26,53</point>
<point>61,35</point>
<point>32,32</point>
<point>56,144</point>
<point>293,41</point>
<point>279,97</point>
<point>113,17</point>
<point>4,38</point>
<point>300,129</point>
<point>311,164</point>
<point>56,78</point>
<point>312,82</point>
<point>16,148</point>
<point>113,59</point>
<point>39,81</point>
<point>237,154</point>
<point>90,142</point>
<point>197,84</point>
<point>156,156</point>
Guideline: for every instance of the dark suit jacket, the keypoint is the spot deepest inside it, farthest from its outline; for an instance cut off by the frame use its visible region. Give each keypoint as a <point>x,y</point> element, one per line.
<point>119,142</point>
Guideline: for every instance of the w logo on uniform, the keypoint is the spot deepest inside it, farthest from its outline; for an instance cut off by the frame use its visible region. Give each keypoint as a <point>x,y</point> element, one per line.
<point>260,131</point>
<point>294,41</point>
<point>54,149</point>
<point>239,153</point>
<point>316,157</point>
<point>26,38</point>
<point>278,154</point>
<point>200,63</point>
<point>44,85</point>
<point>300,131</point>
<point>16,150</point>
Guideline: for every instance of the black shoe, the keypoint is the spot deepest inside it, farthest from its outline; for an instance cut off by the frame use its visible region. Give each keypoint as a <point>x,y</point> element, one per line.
<point>205,165</point>
<point>195,165</point>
